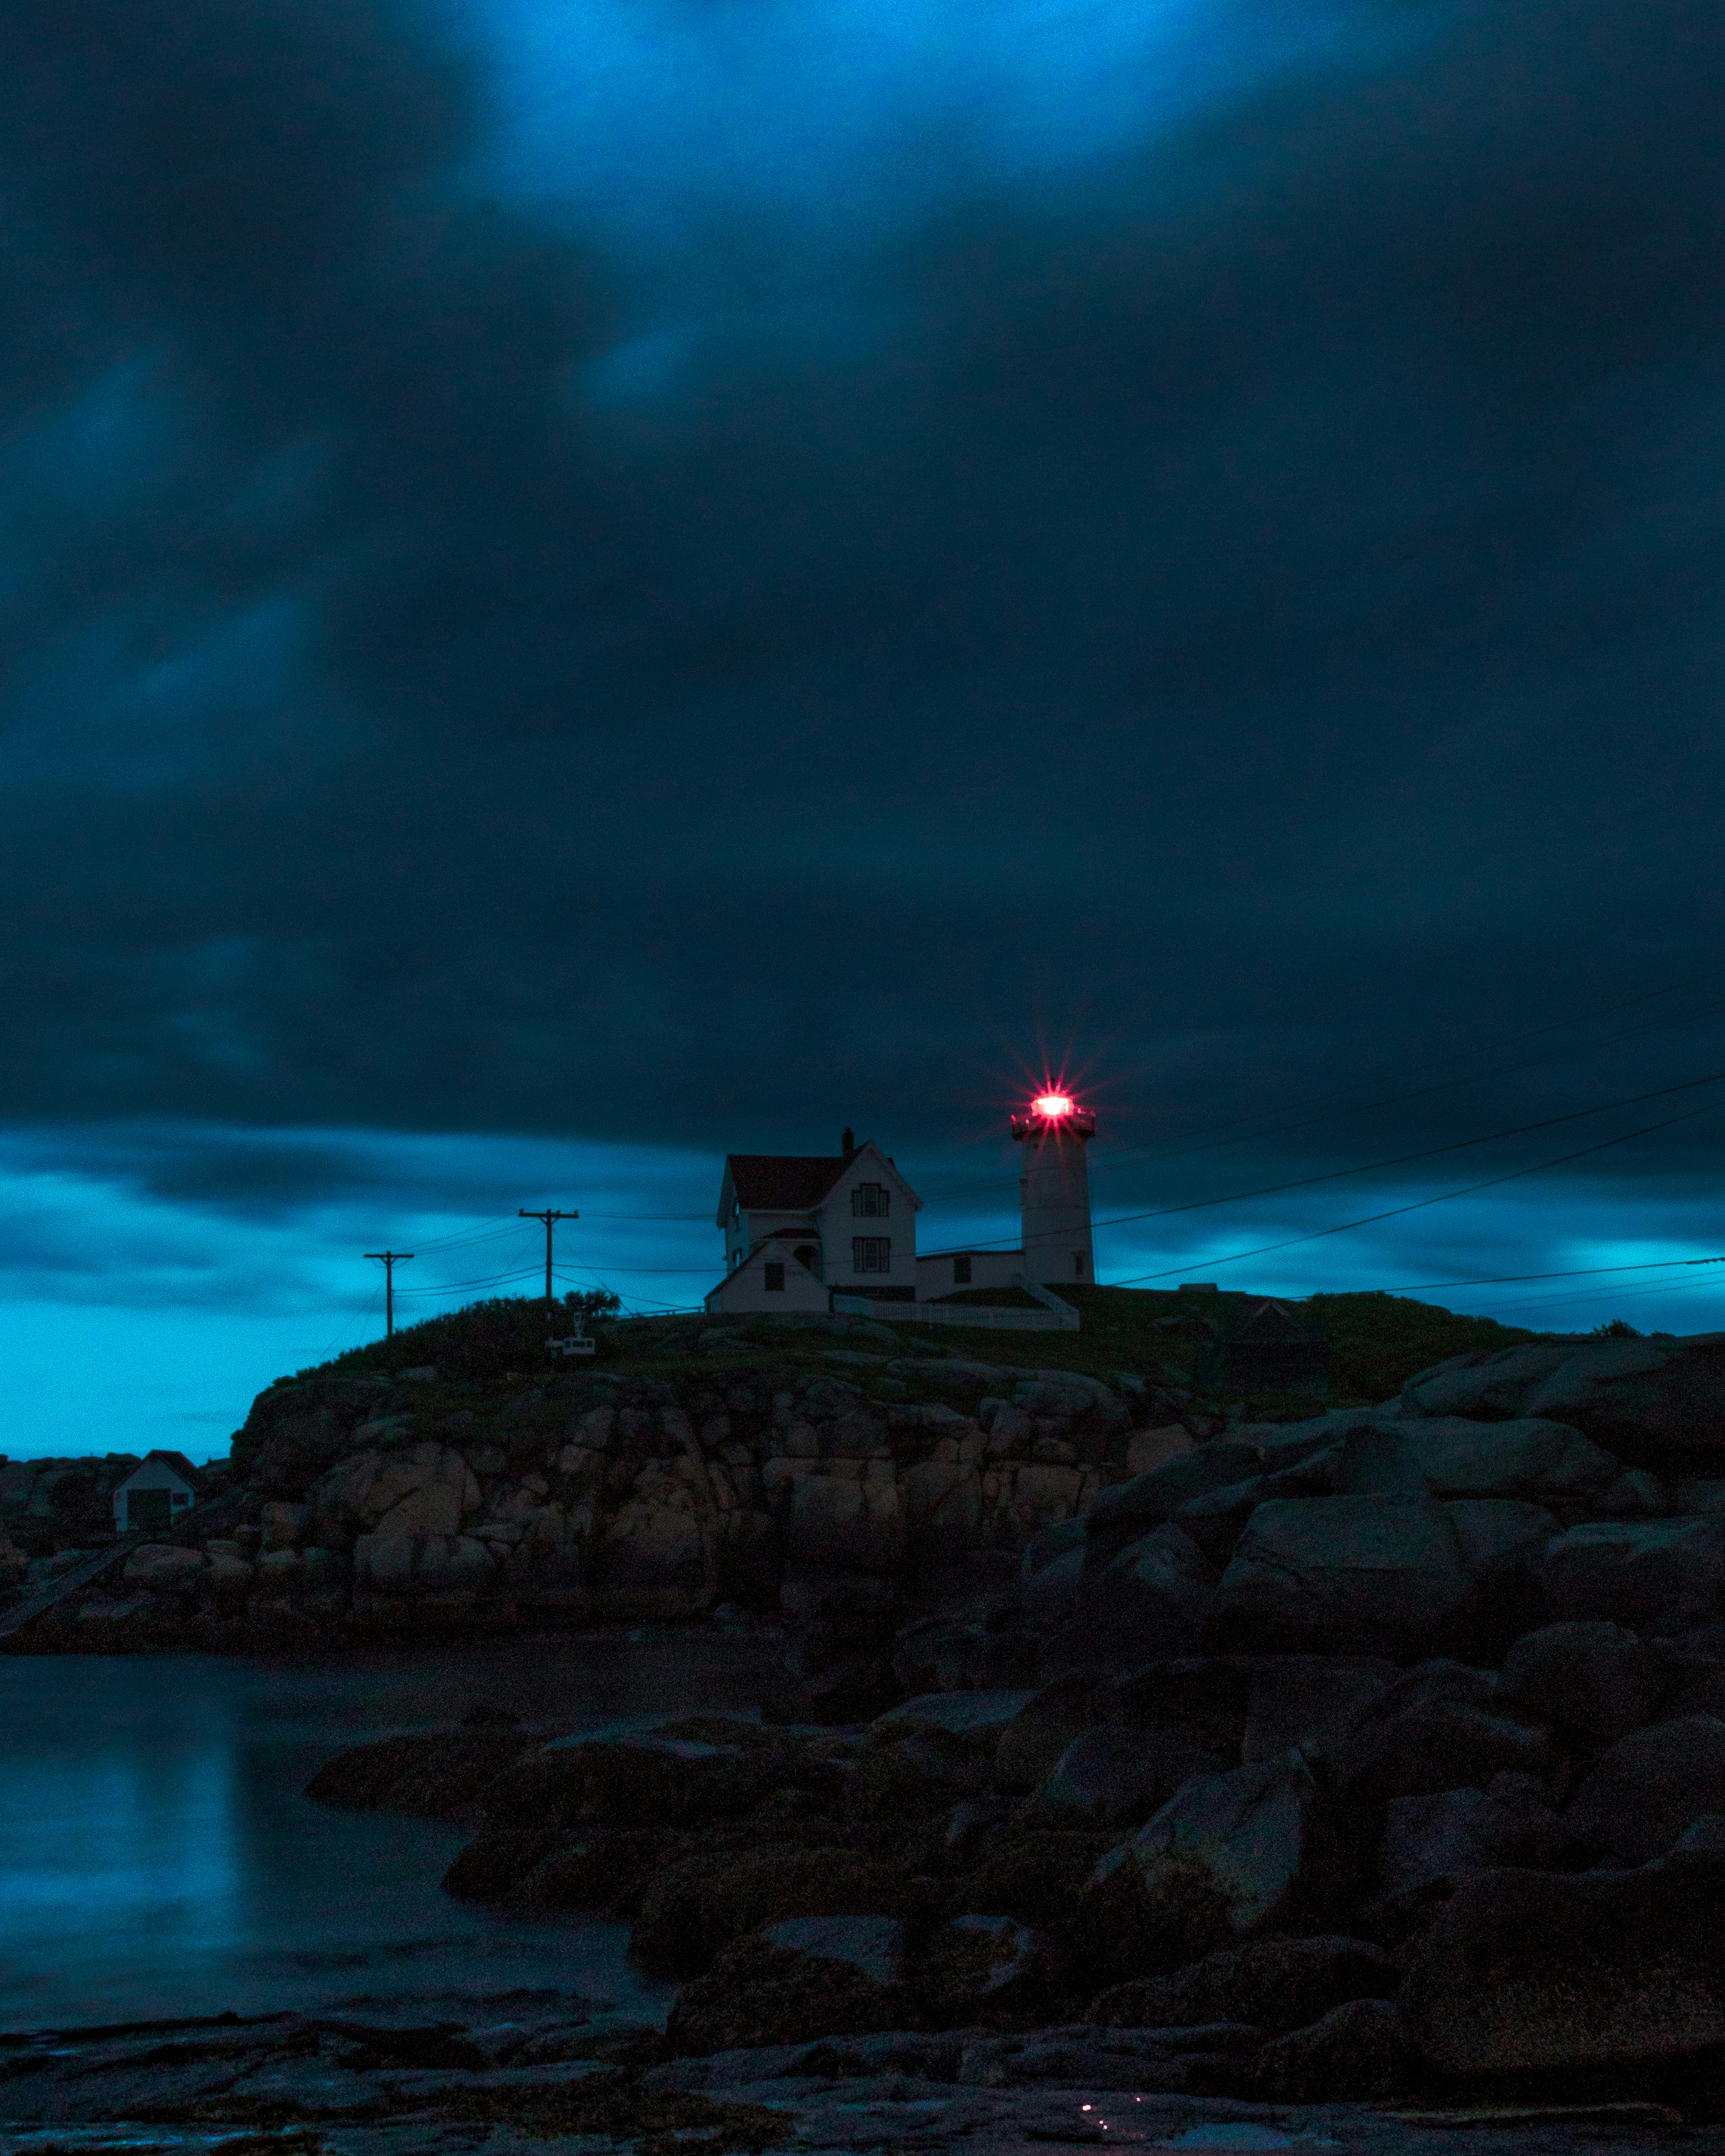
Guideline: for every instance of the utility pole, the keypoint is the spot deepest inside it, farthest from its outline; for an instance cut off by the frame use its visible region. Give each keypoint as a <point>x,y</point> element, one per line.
<point>389,1260</point>
<point>550,1216</point>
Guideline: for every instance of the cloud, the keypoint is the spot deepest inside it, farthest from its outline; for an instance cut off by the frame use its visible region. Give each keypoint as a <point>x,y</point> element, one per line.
<point>1195,533</point>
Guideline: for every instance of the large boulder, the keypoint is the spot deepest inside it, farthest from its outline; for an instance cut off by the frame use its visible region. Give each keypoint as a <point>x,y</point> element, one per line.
<point>1274,1984</point>
<point>1114,1776</point>
<point>1311,1700</point>
<point>1590,1677</point>
<point>1648,1787</point>
<point>658,1554</point>
<point>1439,1728</point>
<point>1650,1402</point>
<point>164,1567</point>
<point>978,1972</point>
<point>1444,1835</point>
<point>1396,1576</point>
<point>422,1564</point>
<point>627,1782</point>
<point>1152,1599</point>
<point>1130,1509</point>
<point>1358,2051</point>
<point>1541,1462</point>
<point>1657,1576</point>
<point>808,1976</point>
<point>1554,1971</point>
<point>1228,1857</point>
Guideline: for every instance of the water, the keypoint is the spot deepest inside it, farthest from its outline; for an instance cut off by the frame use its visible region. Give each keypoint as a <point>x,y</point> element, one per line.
<point>156,1857</point>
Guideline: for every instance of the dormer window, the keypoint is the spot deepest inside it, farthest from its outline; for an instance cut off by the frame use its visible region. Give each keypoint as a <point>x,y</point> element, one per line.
<point>870,1201</point>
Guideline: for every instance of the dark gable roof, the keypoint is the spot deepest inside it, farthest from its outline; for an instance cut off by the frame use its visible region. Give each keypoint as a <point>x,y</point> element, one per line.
<point>177,1461</point>
<point>784,1182</point>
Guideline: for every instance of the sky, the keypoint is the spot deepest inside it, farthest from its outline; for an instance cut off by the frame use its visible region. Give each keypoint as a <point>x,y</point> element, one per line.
<point>589,583</point>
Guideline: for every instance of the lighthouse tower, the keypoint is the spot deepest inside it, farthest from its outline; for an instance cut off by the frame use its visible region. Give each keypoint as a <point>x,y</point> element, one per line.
<point>1054,1189</point>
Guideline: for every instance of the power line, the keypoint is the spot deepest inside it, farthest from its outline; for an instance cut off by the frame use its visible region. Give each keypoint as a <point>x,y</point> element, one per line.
<point>1418,1204</point>
<point>1141,1155</point>
<point>1399,1160</point>
<point>1579,1272</point>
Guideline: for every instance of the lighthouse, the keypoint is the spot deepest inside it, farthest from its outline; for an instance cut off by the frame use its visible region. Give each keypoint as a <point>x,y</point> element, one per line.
<point>1054,1189</point>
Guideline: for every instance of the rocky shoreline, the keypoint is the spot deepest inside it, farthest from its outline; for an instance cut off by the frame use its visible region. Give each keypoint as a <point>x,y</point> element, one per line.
<point>1374,1763</point>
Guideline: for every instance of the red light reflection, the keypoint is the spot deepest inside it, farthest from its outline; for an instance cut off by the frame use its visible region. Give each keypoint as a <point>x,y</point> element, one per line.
<point>1053,1106</point>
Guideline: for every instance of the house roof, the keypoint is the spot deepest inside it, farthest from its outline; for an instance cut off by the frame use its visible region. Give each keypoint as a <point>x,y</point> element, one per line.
<point>784,1182</point>
<point>178,1461</point>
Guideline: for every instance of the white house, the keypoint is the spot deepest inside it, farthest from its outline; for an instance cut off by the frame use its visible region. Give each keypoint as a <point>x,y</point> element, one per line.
<point>945,1272</point>
<point>799,1227</point>
<point>156,1492</point>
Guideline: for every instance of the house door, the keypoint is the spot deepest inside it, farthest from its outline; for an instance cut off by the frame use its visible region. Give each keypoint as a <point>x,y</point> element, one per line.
<point>147,1508</point>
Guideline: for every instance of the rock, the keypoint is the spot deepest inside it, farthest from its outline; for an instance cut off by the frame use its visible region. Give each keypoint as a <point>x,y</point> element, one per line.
<point>496,1864</point>
<point>1596,1679</point>
<point>422,1564</point>
<point>1444,1836</point>
<point>429,1490</point>
<point>768,1885</point>
<point>1310,1700</point>
<point>1357,2051</point>
<point>1228,1856</point>
<point>1201,1697</point>
<point>1544,1463</point>
<point>977,1719</point>
<point>855,1523</point>
<point>284,1525</point>
<point>1647,1401</point>
<point>1113,1776</point>
<point>812,1976</point>
<point>1551,1971</point>
<point>620,1782</point>
<point>1438,1728</point>
<point>1032,1742</point>
<point>1154,2062</point>
<point>1276,1985</point>
<point>1395,1576</point>
<point>1131,1509</point>
<point>1657,1576</point>
<point>978,1972</point>
<point>164,1567</point>
<point>1152,1599</point>
<point>443,1776</point>
<point>1037,1875</point>
<point>1648,1787</point>
<point>658,1554</point>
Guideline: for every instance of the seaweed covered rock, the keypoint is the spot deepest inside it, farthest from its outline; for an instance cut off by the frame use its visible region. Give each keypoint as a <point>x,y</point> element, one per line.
<point>1231,1856</point>
<point>811,1976</point>
<point>1357,2051</point>
<point>1275,1985</point>
<point>1548,1971</point>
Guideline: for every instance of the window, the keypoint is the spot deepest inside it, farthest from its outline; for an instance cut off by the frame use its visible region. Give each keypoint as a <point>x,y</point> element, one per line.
<point>871,1254</point>
<point>772,1275</point>
<point>808,1257</point>
<point>871,1201</point>
<point>1078,1265</point>
<point>961,1272</point>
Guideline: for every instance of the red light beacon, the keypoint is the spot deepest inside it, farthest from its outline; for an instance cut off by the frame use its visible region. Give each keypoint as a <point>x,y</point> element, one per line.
<point>1054,1189</point>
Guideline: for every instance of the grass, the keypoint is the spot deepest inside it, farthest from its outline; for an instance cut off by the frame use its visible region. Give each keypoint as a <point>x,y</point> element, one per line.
<point>1377,1343</point>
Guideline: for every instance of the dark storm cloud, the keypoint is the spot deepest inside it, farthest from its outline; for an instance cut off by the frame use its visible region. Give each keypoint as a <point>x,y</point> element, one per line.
<point>1246,608</point>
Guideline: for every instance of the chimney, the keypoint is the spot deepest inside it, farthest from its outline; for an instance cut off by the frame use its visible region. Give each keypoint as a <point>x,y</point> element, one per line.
<point>847,1143</point>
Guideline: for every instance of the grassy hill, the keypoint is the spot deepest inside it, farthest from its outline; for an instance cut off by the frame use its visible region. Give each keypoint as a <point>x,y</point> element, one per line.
<point>1377,1340</point>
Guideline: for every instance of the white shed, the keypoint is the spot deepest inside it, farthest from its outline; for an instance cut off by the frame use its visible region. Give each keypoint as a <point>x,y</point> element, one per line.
<point>157,1491</point>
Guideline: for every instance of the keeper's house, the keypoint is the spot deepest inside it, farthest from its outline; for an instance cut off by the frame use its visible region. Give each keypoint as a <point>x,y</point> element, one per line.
<point>799,1227</point>
<point>156,1492</point>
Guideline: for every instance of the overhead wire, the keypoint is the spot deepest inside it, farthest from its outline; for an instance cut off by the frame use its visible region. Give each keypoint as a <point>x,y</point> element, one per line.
<point>1419,1205</point>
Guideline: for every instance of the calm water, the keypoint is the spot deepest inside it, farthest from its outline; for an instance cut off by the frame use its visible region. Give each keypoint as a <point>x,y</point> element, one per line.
<point>156,1857</point>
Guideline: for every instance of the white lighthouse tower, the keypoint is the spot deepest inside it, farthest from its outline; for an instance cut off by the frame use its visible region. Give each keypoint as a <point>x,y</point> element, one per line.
<point>1054,1190</point>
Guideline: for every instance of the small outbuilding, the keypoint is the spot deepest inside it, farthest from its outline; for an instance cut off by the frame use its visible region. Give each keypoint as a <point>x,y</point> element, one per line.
<point>157,1491</point>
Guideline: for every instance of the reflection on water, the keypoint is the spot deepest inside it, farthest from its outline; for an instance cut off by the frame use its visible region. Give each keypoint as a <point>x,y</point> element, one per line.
<point>156,1857</point>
